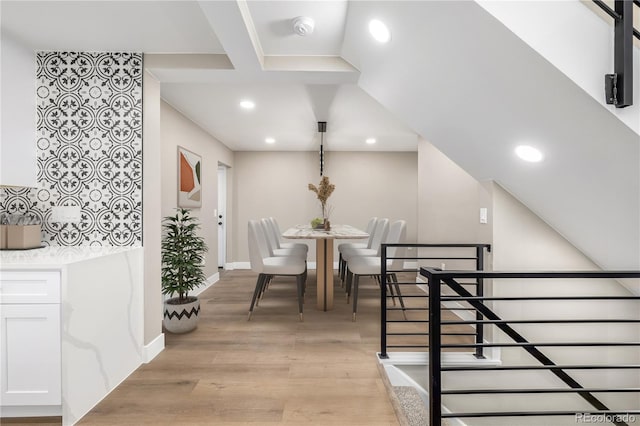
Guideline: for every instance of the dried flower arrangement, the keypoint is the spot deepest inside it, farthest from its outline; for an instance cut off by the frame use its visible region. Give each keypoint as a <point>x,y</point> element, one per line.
<point>323,192</point>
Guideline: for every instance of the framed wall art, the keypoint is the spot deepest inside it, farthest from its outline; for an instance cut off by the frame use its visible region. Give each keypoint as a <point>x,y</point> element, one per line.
<point>189,179</point>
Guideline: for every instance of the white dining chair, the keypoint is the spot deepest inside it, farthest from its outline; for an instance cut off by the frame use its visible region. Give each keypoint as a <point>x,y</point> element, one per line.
<point>275,249</point>
<point>372,266</point>
<point>371,226</point>
<point>267,266</point>
<point>379,235</point>
<point>276,231</point>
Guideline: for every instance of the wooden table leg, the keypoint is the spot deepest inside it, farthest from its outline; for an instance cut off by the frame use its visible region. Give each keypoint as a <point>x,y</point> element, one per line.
<point>324,273</point>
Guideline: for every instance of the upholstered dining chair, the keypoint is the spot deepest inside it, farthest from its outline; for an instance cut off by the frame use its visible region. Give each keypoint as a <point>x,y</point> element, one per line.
<point>275,228</point>
<point>379,235</point>
<point>273,245</point>
<point>372,266</point>
<point>371,226</point>
<point>267,266</point>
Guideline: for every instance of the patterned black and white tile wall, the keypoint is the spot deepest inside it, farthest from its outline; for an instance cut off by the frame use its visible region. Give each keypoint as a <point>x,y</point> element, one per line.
<point>89,139</point>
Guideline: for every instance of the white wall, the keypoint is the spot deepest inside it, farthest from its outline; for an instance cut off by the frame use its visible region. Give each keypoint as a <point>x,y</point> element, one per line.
<point>177,130</point>
<point>368,184</point>
<point>575,40</point>
<point>17,114</point>
<point>523,242</point>
<point>151,199</point>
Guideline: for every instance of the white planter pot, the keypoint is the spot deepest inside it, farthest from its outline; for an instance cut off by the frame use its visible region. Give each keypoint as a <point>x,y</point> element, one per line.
<point>181,318</point>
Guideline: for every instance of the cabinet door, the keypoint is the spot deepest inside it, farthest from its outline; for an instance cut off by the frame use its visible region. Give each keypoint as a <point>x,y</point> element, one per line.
<point>30,355</point>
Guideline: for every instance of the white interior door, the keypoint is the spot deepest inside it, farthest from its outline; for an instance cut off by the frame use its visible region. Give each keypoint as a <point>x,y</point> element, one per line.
<point>222,215</point>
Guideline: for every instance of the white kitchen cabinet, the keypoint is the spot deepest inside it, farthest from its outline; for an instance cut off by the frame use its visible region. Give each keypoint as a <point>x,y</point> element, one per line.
<point>30,344</point>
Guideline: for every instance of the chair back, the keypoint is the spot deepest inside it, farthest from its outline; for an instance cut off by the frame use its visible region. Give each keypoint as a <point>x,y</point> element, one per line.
<point>270,236</point>
<point>276,231</point>
<point>397,234</point>
<point>257,246</point>
<point>371,226</point>
<point>380,233</point>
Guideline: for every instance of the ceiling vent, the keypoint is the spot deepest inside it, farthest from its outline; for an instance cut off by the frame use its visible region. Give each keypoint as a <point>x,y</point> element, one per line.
<point>303,25</point>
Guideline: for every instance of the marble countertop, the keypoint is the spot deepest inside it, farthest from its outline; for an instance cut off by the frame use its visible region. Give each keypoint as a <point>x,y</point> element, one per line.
<point>337,231</point>
<point>55,255</point>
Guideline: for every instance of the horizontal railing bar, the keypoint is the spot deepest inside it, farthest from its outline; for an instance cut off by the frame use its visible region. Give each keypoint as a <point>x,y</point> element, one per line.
<point>541,367</point>
<point>406,296</point>
<point>450,298</point>
<point>442,258</point>
<point>539,413</point>
<point>407,346</point>
<point>426,334</point>
<point>406,309</point>
<point>425,245</point>
<point>551,321</point>
<point>408,321</point>
<point>549,390</point>
<point>544,274</point>
<point>605,7</point>
<point>407,334</point>
<point>530,344</point>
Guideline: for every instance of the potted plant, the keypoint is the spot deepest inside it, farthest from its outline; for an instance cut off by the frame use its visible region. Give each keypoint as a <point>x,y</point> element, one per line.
<point>182,270</point>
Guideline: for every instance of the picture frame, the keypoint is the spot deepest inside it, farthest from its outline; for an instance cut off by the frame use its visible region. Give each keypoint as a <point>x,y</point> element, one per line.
<point>189,179</point>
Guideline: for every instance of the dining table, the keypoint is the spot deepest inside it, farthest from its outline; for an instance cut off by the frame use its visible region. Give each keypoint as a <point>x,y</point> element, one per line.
<point>324,255</point>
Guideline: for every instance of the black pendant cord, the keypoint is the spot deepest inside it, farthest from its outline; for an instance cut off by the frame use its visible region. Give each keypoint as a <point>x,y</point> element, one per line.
<point>322,128</point>
<point>321,154</point>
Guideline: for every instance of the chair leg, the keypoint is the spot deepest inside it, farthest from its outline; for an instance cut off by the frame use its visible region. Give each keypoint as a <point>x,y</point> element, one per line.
<point>356,278</point>
<point>256,292</point>
<point>348,284</point>
<point>345,271</point>
<point>300,285</point>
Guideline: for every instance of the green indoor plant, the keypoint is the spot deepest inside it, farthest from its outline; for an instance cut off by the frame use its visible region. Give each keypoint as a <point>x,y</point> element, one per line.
<point>182,270</point>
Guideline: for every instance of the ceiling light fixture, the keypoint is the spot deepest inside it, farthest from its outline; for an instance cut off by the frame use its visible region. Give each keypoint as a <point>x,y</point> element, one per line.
<point>529,153</point>
<point>379,31</point>
<point>247,104</point>
<point>322,128</point>
<point>303,25</point>
<point>371,141</point>
<point>270,140</point>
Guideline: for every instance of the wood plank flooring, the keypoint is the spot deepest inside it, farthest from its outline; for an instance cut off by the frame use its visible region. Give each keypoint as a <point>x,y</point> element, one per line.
<point>272,370</point>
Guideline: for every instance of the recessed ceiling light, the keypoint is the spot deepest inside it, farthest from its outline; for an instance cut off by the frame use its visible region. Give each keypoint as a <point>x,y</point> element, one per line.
<point>379,31</point>
<point>370,141</point>
<point>270,140</point>
<point>529,153</point>
<point>247,104</point>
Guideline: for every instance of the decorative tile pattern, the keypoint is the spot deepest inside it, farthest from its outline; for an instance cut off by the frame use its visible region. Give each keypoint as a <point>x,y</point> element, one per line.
<point>89,112</point>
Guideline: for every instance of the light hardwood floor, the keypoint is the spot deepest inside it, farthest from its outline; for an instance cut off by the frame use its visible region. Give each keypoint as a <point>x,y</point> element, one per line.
<point>272,370</point>
<point>268,371</point>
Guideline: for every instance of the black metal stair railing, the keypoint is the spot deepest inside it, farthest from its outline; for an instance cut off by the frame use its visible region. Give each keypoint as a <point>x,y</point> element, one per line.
<point>404,325</point>
<point>619,85</point>
<point>438,279</point>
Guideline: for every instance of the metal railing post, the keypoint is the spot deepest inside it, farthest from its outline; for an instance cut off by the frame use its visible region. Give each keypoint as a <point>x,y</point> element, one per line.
<point>435,342</point>
<point>479,292</point>
<point>383,303</point>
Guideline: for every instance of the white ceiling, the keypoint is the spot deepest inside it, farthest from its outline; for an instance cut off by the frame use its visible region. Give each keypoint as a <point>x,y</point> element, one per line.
<point>295,81</point>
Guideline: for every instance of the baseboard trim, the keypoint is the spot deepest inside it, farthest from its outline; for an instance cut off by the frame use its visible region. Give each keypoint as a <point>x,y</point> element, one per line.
<point>150,351</point>
<point>210,281</point>
<point>31,411</point>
